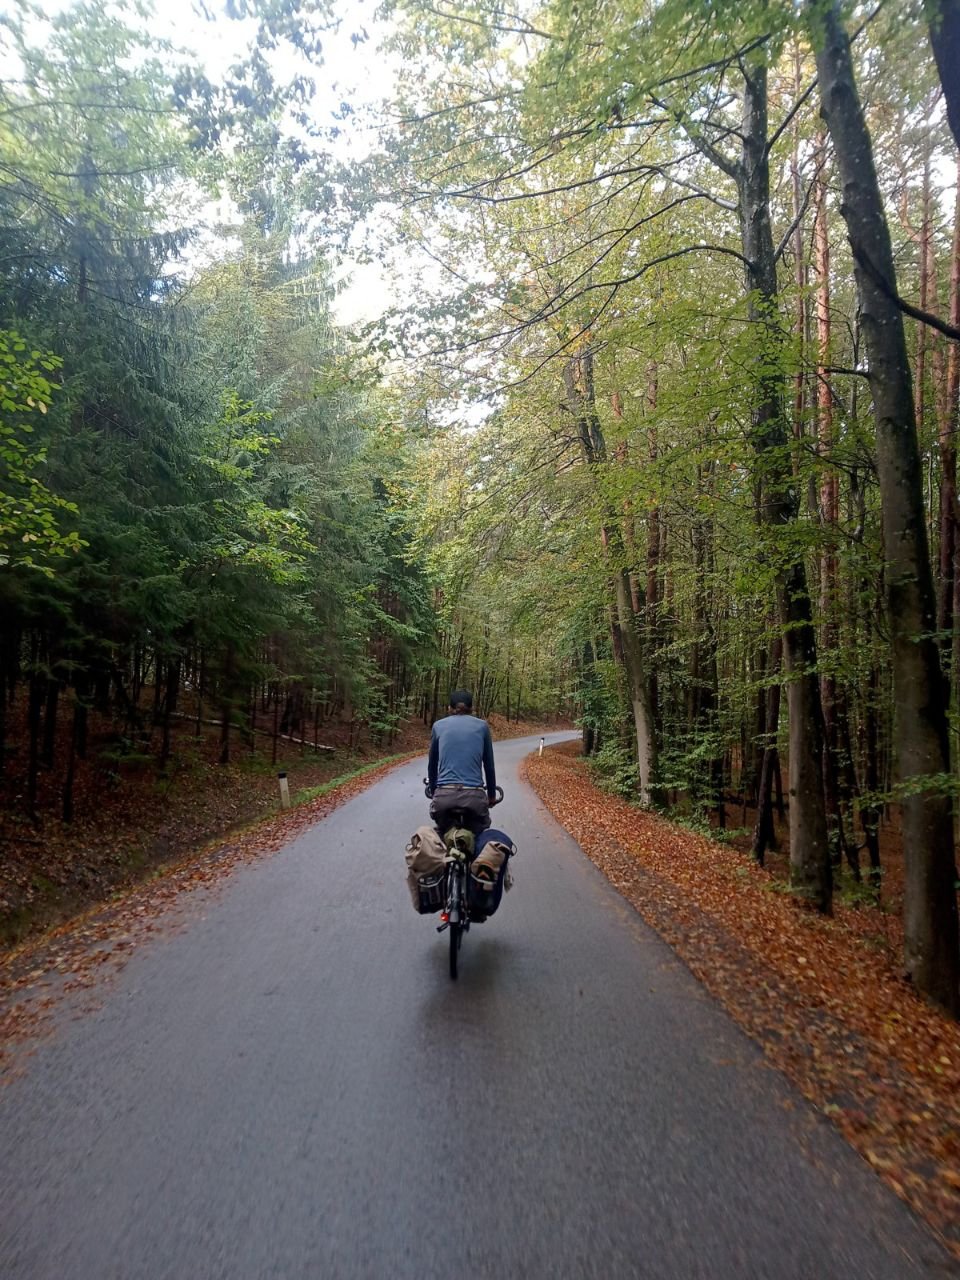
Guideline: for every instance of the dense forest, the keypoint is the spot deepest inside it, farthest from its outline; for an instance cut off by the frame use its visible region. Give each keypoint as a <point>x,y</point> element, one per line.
<point>206,489</point>
<point>657,423</point>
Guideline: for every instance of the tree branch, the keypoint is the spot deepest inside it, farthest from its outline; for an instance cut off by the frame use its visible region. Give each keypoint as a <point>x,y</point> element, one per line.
<point>525,30</point>
<point>851,373</point>
<point>784,124</point>
<point>730,167</point>
<point>801,214</point>
<point>915,313</point>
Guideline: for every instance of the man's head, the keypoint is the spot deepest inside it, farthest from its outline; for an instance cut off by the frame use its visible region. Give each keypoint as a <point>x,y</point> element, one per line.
<point>461,702</point>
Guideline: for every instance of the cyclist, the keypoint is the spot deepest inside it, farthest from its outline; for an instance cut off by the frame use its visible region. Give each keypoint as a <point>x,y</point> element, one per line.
<point>460,769</point>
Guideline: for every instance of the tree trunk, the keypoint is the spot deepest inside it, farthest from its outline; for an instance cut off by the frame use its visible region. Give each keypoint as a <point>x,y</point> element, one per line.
<point>637,686</point>
<point>764,835</point>
<point>871,811</point>
<point>654,531</point>
<point>78,731</point>
<point>169,706</point>
<point>947,416</point>
<point>34,708</point>
<point>50,723</point>
<point>944,19</point>
<point>226,704</point>
<point>3,708</point>
<point>201,689</point>
<point>830,516</point>
<point>800,262</point>
<point>930,906</point>
<point>580,399</point>
<point>809,852</point>
<point>923,238</point>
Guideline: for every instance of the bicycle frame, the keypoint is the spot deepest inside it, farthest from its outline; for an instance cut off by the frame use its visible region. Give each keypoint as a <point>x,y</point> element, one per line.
<point>456,914</point>
<point>455,911</point>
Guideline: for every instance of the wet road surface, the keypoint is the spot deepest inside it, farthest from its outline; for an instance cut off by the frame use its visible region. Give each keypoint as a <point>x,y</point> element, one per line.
<point>290,1085</point>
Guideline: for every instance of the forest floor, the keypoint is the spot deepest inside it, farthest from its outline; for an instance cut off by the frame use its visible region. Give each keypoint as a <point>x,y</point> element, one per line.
<point>133,821</point>
<point>825,998</point>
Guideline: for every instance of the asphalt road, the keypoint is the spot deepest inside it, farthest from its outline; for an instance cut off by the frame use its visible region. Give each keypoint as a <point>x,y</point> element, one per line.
<point>289,1085</point>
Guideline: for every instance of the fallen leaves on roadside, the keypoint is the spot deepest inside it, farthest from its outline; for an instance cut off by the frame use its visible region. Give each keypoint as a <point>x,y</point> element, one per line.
<point>831,1011</point>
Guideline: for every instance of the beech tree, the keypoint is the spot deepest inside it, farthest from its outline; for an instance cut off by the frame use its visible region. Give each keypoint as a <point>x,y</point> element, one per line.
<point>637,235</point>
<point>932,941</point>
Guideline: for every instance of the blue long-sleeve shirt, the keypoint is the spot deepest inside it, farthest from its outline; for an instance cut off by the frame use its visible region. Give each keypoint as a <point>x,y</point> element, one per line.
<point>461,751</point>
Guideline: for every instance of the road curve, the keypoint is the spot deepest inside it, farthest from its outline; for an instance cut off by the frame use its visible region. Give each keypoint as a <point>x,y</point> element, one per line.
<point>290,1086</point>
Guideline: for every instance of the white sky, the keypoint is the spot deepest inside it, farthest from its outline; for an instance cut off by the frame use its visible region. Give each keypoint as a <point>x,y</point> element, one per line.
<point>350,72</point>
<point>354,73</point>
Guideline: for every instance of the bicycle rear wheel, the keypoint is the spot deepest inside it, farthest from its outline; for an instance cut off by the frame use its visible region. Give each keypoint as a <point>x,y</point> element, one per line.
<point>455,936</point>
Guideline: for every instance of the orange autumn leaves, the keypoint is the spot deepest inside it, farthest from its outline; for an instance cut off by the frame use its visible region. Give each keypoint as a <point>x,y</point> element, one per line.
<point>824,997</point>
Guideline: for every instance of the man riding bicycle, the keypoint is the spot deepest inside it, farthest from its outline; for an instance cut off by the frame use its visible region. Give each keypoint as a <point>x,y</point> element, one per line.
<point>460,769</point>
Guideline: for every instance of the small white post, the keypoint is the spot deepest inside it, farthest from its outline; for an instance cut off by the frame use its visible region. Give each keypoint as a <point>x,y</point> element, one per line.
<point>540,752</point>
<point>284,790</point>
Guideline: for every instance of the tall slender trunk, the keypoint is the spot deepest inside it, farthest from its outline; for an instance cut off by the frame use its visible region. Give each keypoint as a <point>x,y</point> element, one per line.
<point>949,539</point>
<point>34,710</point>
<point>169,706</point>
<point>226,703</point>
<point>932,941</point>
<point>830,515</point>
<point>51,703</point>
<point>872,811</point>
<point>654,541</point>
<point>924,242</point>
<point>764,836</point>
<point>3,706</point>
<point>800,261</point>
<point>78,730</point>
<point>949,381</point>
<point>809,851</point>
<point>944,19</point>
<point>638,687</point>
<point>201,689</point>
<point>581,403</point>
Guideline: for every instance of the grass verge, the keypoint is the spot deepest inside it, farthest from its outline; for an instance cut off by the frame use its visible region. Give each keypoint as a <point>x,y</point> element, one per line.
<point>306,794</point>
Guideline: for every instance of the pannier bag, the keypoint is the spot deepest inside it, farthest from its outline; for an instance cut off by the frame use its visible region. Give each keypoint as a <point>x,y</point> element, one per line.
<point>488,872</point>
<point>426,870</point>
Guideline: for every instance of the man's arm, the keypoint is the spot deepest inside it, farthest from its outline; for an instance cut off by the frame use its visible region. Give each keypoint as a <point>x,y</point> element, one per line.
<point>489,771</point>
<point>433,760</point>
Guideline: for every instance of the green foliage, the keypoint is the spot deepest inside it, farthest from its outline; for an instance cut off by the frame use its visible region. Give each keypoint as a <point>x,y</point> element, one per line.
<point>574,170</point>
<point>615,769</point>
<point>223,477</point>
<point>29,529</point>
<point>315,793</point>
